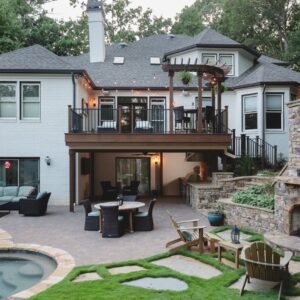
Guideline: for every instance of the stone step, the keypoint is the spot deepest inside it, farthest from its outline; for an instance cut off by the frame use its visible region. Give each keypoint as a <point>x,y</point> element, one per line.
<point>250,183</point>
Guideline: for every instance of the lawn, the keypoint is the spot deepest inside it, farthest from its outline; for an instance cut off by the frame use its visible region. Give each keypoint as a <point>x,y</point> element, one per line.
<point>111,288</point>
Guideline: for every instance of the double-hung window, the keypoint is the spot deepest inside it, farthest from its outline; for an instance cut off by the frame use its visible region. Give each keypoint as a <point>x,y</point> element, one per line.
<point>274,111</point>
<point>228,60</point>
<point>209,58</point>
<point>30,101</point>
<point>250,112</point>
<point>8,100</point>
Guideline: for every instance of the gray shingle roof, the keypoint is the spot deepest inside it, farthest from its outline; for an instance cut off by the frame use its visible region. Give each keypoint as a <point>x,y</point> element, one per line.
<point>33,58</point>
<point>210,36</point>
<point>271,60</point>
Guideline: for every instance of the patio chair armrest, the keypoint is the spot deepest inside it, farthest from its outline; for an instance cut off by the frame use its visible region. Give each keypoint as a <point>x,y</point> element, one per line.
<point>286,259</point>
<point>191,228</point>
<point>187,221</point>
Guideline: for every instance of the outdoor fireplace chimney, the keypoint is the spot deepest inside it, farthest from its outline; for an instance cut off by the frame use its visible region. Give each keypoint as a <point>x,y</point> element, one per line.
<point>96,31</point>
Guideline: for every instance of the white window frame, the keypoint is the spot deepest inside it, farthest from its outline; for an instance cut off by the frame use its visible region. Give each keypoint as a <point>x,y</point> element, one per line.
<point>215,55</point>
<point>15,102</point>
<point>231,73</point>
<point>282,113</point>
<point>245,113</point>
<point>107,101</point>
<point>22,102</point>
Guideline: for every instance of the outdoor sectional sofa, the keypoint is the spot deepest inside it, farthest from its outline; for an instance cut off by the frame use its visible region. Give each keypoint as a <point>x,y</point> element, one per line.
<point>11,195</point>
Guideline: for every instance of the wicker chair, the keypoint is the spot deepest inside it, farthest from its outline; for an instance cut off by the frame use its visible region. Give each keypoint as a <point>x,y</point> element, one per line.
<point>113,224</point>
<point>143,221</point>
<point>92,218</point>
<point>133,189</point>
<point>109,192</point>
<point>263,263</point>
<point>36,206</point>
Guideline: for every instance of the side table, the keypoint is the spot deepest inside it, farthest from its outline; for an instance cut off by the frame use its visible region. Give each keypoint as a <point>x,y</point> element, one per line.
<point>229,246</point>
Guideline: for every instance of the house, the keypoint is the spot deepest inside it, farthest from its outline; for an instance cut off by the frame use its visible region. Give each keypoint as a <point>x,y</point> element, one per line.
<point>121,112</point>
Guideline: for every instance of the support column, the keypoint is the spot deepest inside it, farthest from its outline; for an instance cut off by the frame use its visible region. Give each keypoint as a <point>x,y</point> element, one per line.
<point>200,124</point>
<point>92,176</point>
<point>213,104</point>
<point>171,89</point>
<point>219,106</point>
<point>72,166</point>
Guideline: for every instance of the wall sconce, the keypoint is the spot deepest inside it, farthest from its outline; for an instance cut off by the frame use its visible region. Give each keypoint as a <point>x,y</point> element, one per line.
<point>156,160</point>
<point>93,102</point>
<point>48,160</point>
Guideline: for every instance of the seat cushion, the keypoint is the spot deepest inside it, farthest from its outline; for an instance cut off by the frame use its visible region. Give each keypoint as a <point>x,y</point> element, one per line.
<point>25,190</point>
<point>11,191</point>
<point>187,235</point>
<point>6,198</point>
<point>94,214</point>
<point>17,199</point>
<point>1,191</point>
<point>141,214</point>
<point>120,218</point>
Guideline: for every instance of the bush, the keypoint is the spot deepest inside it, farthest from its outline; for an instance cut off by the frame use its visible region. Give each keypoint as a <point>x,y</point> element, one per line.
<point>245,166</point>
<point>259,196</point>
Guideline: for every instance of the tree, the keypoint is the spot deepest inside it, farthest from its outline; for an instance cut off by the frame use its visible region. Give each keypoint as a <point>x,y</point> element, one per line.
<point>194,18</point>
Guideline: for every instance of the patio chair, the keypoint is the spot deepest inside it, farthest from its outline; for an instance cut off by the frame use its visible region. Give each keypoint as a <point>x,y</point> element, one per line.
<point>263,263</point>
<point>113,224</point>
<point>143,127</point>
<point>143,221</point>
<point>109,192</point>
<point>190,236</point>
<point>133,189</point>
<point>180,119</point>
<point>92,218</point>
<point>34,206</point>
<point>129,198</point>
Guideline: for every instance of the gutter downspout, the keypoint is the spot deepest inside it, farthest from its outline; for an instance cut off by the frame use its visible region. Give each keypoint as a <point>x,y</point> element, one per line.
<point>74,90</point>
<point>263,113</point>
<point>74,106</point>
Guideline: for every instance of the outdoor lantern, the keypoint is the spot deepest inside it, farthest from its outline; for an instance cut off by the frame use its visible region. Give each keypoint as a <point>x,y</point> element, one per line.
<point>7,165</point>
<point>235,235</point>
<point>48,160</point>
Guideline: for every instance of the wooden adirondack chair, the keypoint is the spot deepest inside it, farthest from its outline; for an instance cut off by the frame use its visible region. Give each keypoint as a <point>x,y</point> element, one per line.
<point>191,236</point>
<point>263,263</point>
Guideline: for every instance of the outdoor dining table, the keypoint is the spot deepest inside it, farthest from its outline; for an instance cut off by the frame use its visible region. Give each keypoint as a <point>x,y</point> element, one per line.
<point>129,206</point>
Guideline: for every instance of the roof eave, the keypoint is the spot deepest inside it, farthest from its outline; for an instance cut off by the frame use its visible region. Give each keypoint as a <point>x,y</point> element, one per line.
<point>41,71</point>
<point>265,83</point>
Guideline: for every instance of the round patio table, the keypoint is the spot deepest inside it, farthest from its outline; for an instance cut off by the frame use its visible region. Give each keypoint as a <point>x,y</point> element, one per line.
<point>129,206</point>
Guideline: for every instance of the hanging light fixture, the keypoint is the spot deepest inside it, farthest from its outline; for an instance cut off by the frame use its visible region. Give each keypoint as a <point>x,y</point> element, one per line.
<point>7,165</point>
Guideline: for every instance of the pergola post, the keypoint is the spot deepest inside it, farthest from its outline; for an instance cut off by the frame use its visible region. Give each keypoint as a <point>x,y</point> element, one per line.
<point>219,106</point>
<point>171,89</point>
<point>72,166</point>
<point>200,124</point>
<point>213,104</point>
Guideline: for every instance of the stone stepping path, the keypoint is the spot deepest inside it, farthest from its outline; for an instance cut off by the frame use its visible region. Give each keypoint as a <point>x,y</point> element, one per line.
<point>161,284</point>
<point>226,235</point>
<point>92,276</point>
<point>188,266</point>
<point>125,269</point>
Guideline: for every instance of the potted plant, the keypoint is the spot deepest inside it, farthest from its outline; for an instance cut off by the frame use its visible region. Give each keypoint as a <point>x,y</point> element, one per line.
<point>216,217</point>
<point>186,77</point>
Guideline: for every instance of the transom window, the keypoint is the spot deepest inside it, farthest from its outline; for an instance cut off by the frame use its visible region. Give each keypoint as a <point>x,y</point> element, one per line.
<point>274,111</point>
<point>30,101</point>
<point>250,112</point>
<point>8,100</point>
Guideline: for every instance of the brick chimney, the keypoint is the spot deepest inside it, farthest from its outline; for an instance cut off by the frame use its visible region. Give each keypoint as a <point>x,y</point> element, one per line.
<point>96,31</point>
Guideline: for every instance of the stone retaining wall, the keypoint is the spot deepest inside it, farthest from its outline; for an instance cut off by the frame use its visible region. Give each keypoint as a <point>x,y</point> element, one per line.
<point>250,217</point>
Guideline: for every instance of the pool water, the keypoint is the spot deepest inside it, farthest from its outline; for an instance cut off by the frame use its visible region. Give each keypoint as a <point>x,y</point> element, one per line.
<point>20,270</point>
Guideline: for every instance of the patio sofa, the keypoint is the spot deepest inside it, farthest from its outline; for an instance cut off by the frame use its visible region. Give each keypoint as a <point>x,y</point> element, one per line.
<point>10,196</point>
<point>35,206</point>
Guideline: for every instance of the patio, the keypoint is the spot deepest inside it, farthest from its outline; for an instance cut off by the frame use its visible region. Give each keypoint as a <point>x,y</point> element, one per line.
<point>61,229</point>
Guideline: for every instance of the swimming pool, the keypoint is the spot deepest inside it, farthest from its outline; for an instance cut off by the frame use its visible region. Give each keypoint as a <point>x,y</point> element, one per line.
<point>21,269</point>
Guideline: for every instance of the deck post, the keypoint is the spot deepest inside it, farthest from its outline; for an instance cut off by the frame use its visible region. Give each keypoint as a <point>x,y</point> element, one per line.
<point>72,174</point>
<point>219,105</point>
<point>69,117</point>
<point>171,90</point>
<point>92,176</point>
<point>213,104</point>
<point>243,144</point>
<point>226,119</point>
<point>200,123</point>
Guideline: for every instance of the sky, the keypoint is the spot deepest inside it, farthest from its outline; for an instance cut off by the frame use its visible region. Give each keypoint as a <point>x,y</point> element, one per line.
<point>60,9</point>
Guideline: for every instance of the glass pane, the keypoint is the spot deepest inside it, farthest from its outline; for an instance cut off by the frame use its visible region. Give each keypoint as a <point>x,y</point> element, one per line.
<point>29,172</point>
<point>226,59</point>
<point>107,112</point>
<point>8,110</point>
<point>250,103</point>
<point>211,58</point>
<point>7,92</point>
<point>274,102</point>
<point>251,121</point>
<point>158,117</point>
<point>273,120</point>
<point>31,110</point>
<point>206,101</point>
<point>8,172</point>
<point>31,93</point>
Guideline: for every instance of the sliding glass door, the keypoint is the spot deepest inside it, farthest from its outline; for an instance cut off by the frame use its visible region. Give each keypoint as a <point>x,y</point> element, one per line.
<point>136,168</point>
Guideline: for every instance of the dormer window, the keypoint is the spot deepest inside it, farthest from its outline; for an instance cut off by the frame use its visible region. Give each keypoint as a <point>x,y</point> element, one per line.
<point>228,60</point>
<point>119,60</point>
<point>155,60</point>
<point>209,58</point>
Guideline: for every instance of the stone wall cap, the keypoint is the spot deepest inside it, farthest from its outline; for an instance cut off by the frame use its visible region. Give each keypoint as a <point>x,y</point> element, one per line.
<point>293,103</point>
<point>270,178</point>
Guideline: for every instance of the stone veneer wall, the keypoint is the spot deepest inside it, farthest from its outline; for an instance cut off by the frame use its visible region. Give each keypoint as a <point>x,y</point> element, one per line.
<point>246,216</point>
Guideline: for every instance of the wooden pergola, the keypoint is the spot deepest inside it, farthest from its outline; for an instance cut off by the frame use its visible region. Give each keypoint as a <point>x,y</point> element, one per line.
<point>213,73</point>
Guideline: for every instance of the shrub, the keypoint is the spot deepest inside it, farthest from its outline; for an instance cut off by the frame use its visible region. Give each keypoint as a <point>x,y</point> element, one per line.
<point>245,166</point>
<point>259,196</point>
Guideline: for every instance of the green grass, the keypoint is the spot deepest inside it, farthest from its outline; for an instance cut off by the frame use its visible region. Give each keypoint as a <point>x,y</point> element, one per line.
<point>110,288</point>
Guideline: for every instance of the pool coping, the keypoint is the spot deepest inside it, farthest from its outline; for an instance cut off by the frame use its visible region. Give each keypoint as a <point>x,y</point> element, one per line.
<point>65,263</point>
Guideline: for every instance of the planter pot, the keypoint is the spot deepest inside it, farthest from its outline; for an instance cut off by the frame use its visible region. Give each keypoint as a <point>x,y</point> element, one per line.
<point>216,219</point>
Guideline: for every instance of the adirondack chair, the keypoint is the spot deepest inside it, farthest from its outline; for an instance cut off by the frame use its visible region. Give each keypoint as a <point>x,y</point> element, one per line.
<point>190,236</point>
<point>263,263</point>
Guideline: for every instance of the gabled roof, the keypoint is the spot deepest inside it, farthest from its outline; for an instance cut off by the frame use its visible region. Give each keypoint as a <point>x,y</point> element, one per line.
<point>33,59</point>
<point>271,60</point>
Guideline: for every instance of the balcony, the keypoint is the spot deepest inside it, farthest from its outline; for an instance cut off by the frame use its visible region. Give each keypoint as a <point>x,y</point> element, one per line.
<point>158,129</point>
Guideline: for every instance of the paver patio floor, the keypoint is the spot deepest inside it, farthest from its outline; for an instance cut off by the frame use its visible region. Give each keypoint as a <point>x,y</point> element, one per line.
<point>62,229</point>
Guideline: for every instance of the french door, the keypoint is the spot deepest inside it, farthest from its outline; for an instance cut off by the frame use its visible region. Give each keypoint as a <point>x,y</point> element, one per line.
<point>135,168</point>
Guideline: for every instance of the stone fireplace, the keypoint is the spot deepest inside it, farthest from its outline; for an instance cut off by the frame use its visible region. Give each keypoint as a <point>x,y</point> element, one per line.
<point>287,188</point>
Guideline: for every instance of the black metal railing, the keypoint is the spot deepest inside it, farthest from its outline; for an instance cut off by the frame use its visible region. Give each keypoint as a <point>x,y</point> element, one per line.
<point>140,121</point>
